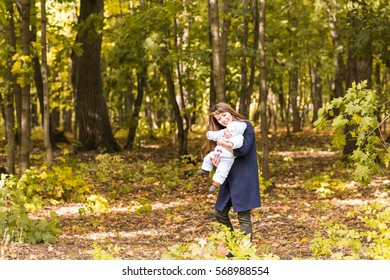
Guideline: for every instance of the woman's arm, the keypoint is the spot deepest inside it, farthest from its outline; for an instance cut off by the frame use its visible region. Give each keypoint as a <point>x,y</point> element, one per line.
<point>249,138</point>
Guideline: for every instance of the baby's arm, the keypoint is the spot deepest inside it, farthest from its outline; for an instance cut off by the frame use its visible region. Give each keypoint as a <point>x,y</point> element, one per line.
<point>237,141</point>
<point>214,135</point>
<point>238,129</point>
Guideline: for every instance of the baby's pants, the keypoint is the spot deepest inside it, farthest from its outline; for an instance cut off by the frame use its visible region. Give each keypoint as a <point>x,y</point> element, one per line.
<point>224,166</point>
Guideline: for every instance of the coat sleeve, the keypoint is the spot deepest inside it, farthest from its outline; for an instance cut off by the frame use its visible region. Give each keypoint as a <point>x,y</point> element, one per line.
<point>249,139</point>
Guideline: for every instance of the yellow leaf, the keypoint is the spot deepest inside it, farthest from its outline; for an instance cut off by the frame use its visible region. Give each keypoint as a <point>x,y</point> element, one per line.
<point>356,118</point>
<point>43,175</point>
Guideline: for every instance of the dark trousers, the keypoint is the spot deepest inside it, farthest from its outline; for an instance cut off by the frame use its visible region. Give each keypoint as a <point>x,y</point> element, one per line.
<point>244,219</point>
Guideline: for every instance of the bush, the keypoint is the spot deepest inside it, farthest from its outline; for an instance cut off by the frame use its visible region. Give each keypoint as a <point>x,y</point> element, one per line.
<point>14,220</point>
<point>370,241</point>
<point>215,247</point>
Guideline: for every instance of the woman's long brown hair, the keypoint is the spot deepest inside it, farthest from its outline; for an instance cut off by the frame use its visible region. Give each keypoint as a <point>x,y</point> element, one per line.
<point>214,125</point>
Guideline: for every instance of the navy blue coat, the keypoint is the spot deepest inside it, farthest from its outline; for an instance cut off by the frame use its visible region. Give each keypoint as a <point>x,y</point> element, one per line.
<point>242,184</point>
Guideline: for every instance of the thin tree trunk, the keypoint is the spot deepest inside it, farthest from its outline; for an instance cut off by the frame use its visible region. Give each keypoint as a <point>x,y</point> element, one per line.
<point>25,129</point>
<point>315,89</point>
<point>296,119</point>
<point>216,51</point>
<point>338,89</point>
<point>255,47</point>
<point>184,95</point>
<point>223,48</point>
<point>181,136</point>
<point>265,173</point>
<point>46,106</point>
<point>244,100</point>
<point>142,83</point>
<point>9,96</point>
<point>213,94</point>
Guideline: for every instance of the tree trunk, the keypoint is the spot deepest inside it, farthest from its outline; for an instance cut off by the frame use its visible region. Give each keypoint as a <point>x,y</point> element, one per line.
<point>91,110</point>
<point>9,93</point>
<point>39,85</point>
<point>185,95</point>
<point>263,94</point>
<point>181,135</point>
<point>25,129</point>
<point>256,29</point>
<point>359,69</point>
<point>296,119</point>
<point>213,94</point>
<point>339,78</point>
<point>315,89</point>
<point>46,106</point>
<point>142,82</point>
<point>223,47</point>
<point>217,71</point>
<point>243,94</point>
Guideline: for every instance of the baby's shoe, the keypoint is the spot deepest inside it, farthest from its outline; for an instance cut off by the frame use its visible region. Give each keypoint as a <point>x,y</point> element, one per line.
<point>212,189</point>
<point>202,172</point>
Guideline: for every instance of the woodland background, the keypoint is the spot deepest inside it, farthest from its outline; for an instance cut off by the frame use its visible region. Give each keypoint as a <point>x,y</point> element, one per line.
<point>104,107</point>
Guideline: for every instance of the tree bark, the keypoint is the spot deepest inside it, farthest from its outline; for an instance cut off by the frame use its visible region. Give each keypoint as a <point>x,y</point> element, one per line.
<point>141,87</point>
<point>217,71</point>
<point>296,119</point>
<point>11,87</point>
<point>265,173</point>
<point>340,77</point>
<point>315,89</point>
<point>46,106</point>
<point>91,110</point>
<point>243,93</point>
<point>25,129</point>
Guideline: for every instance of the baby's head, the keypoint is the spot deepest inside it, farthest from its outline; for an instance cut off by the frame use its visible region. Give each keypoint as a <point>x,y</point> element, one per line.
<point>235,129</point>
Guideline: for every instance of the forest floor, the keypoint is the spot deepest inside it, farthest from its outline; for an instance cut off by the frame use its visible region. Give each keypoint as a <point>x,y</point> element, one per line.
<point>288,220</point>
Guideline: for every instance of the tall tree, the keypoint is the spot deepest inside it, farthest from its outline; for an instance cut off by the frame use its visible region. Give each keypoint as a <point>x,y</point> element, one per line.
<point>46,106</point>
<point>359,61</point>
<point>134,118</point>
<point>94,128</point>
<point>25,128</point>
<point>12,86</point>
<point>247,83</point>
<point>215,50</point>
<point>263,94</point>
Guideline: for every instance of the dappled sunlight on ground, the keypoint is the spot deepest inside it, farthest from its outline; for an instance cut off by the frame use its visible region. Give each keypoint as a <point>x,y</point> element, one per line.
<point>288,220</point>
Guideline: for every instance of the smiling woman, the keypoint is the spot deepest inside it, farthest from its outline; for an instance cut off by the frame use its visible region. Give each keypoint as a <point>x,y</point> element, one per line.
<point>241,189</point>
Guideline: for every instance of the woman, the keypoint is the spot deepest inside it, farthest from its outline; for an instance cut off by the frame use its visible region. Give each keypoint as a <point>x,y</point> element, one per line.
<point>241,189</point>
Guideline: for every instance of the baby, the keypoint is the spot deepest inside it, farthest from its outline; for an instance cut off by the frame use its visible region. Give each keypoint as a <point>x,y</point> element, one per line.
<point>233,133</point>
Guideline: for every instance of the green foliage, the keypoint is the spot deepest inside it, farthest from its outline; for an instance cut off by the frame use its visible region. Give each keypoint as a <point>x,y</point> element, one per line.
<point>264,185</point>
<point>146,172</point>
<point>60,184</point>
<point>371,241</point>
<point>15,224</point>
<point>111,167</point>
<point>97,204</point>
<point>144,205</point>
<point>22,68</point>
<point>215,247</point>
<point>98,253</point>
<point>357,111</point>
<point>324,186</point>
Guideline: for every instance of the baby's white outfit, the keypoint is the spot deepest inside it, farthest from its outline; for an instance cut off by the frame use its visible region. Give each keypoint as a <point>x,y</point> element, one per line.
<point>236,128</point>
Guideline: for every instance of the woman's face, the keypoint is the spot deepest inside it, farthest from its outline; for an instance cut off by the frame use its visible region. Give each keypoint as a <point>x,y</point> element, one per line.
<point>224,118</point>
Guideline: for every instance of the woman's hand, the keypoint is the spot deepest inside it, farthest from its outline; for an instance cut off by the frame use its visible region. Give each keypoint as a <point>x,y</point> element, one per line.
<point>215,160</point>
<point>227,145</point>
